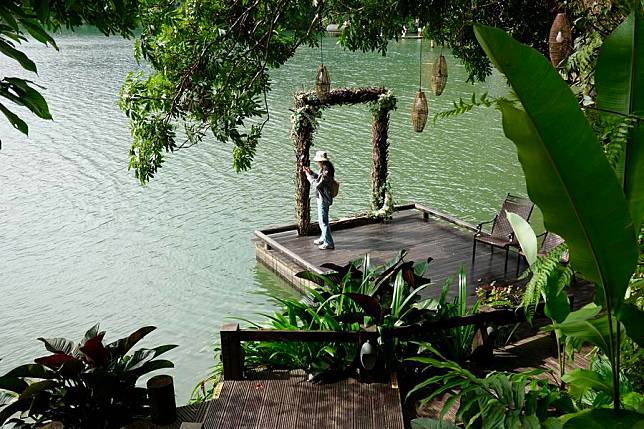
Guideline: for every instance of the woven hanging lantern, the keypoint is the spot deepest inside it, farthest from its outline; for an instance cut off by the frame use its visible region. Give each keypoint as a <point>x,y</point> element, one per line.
<point>439,75</point>
<point>560,40</point>
<point>419,111</point>
<point>322,83</point>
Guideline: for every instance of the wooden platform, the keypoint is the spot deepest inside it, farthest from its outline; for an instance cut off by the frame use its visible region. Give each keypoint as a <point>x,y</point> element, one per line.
<point>424,232</point>
<point>293,402</point>
<point>296,403</point>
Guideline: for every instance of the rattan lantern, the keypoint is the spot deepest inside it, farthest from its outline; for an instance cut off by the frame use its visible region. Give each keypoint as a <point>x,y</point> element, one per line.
<point>560,40</point>
<point>419,111</point>
<point>322,83</point>
<point>439,75</point>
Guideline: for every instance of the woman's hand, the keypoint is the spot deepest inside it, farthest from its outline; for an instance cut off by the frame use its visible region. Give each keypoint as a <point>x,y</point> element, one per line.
<point>307,170</point>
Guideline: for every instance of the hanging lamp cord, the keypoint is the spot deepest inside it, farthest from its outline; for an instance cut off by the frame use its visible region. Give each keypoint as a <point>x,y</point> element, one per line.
<point>321,58</point>
<point>420,65</point>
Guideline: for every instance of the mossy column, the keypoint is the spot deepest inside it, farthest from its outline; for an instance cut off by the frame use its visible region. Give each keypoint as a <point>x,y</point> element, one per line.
<point>302,136</point>
<point>379,158</point>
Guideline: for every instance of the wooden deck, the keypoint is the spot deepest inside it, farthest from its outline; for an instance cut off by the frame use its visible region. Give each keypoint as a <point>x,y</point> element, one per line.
<point>425,233</point>
<point>293,402</point>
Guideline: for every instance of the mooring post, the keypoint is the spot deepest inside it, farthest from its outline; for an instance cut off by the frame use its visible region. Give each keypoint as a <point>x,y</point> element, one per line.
<point>231,352</point>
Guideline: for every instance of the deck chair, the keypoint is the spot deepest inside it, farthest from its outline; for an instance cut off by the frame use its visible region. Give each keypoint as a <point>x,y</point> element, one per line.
<point>501,234</point>
<point>550,241</point>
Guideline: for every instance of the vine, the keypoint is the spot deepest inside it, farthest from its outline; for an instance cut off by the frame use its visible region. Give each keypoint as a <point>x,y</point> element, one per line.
<point>306,114</point>
<point>387,209</point>
<point>386,103</point>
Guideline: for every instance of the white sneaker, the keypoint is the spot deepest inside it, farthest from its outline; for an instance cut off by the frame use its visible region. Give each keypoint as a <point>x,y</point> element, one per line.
<point>326,247</point>
<point>318,241</point>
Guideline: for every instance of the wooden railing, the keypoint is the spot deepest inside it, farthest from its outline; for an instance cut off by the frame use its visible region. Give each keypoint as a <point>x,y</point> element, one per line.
<point>232,335</point>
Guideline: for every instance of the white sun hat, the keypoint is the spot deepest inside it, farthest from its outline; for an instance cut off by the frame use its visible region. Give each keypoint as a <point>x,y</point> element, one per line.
<point>321,155</point>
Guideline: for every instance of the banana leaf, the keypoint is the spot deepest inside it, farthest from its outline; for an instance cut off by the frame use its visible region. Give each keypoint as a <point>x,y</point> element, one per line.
<point>567,175</point>
<point>619,81</point>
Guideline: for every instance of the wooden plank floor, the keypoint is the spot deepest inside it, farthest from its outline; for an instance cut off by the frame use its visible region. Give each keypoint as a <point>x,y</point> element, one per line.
<point>449,245</point>
<point>296,403</point>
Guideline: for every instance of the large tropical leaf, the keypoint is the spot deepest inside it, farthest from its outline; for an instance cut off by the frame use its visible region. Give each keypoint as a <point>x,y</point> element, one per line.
<point>581,380</point>
<point>95,351</point>
<point>567,175</point>
<point>121,347</point>
<point>526,236</point>
<point>58,345</point>
<point>602,418</point>
<point>582,327</point>
<point>633,320</point>
<point>31,371</point>
<point>370,304</point>
<point>619,81</point>
<point>13,384</point>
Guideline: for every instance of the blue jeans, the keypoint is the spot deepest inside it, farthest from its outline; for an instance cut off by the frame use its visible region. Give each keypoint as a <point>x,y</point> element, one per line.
<point>323,221</point>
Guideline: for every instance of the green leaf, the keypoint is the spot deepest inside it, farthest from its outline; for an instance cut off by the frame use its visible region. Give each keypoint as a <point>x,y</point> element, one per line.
<point>153,366</point>
<point>17,55</point>
<point>41,7</point>
<point>9,19</point>
<point>38,32</point>
<point>158,351</point>
<point>552,423</point>
<point>12,384</point>
<point>633,320</point>
<point>425,423</point>
<point>619,81</point>
<point>17,123</point>
<point>8,411</point>
<point>567,174</point>
<point>581,380</point>
<point>557,305</point>
<point>28,97</point>
<point>602,418</point>
<point>31,371</point>
<point>39,386</point>
<point>592,330</point>
<point>121,347</point>
<point>526,236</point>
<point>58,345</point>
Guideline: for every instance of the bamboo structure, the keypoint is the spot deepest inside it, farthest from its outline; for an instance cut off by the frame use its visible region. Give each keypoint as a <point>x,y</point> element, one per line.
<point>308,103</point>
<point>560,40</point>
<point>439,75</point>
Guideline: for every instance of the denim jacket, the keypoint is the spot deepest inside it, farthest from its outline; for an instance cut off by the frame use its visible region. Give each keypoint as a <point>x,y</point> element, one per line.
<point>322,183</point>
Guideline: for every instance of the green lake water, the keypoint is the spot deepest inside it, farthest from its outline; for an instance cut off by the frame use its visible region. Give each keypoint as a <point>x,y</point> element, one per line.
<point>81,241</point>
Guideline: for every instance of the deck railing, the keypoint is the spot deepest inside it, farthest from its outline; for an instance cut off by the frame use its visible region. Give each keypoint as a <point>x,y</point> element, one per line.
<point>232,335</point>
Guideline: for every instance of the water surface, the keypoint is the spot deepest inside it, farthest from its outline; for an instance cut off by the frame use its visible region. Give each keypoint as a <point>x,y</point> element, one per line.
<point>81,241</point>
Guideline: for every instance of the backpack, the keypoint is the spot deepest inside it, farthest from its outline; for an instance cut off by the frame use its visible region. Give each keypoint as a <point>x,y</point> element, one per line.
<point>335,188</point>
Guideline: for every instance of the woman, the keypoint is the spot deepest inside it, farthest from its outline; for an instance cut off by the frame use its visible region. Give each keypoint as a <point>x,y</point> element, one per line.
<point>322,183</point>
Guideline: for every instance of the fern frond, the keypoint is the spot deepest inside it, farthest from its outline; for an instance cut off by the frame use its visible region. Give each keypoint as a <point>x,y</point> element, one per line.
<point>461,106</point>
<point>541,270</point>
<point>614,134</point>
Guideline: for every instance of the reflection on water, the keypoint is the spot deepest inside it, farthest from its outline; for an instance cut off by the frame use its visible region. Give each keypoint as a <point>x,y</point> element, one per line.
<point>81,241</point>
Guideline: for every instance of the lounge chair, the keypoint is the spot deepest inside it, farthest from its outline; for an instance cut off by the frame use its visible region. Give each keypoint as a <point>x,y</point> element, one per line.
<point>501,234</point>
<point>549,242</point>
